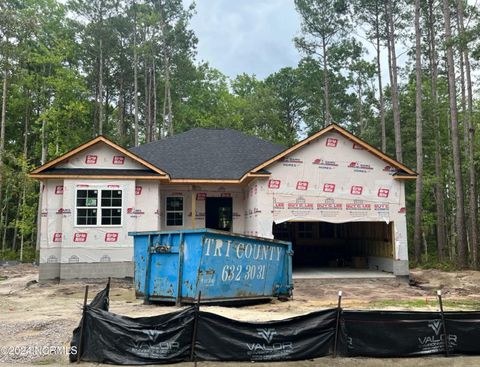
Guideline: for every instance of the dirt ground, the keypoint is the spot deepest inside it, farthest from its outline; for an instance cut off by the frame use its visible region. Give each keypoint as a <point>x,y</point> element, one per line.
<point>34,314</point>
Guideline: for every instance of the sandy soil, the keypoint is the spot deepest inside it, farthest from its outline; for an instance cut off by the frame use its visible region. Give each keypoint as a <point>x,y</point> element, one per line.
<point>45,314</point>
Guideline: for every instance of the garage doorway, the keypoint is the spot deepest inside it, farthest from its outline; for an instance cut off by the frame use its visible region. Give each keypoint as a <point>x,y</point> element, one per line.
<point>336,248</point>
<point>218,213</point>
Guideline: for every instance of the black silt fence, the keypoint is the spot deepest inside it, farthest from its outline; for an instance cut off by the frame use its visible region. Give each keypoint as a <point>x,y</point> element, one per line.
<point>191,334</point>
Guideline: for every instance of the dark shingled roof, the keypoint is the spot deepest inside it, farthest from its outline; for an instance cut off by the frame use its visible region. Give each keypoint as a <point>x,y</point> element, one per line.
<point>208,153</point>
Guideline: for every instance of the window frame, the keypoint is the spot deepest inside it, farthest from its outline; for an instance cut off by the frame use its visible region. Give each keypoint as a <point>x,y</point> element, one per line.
<point>174,211</point>
<point>99,208</point>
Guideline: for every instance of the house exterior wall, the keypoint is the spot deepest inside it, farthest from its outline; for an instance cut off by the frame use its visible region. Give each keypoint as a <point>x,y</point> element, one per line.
<point>195,196</point>
<point>64,245</point>
<point>333,180</point>
<point>329,179</point>
<point>108,251</point>
<point>70,251</point>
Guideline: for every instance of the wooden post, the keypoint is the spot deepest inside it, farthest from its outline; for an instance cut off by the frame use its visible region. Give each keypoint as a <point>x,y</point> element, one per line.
<point>194,208</point>
<point>445,335</point>
<point>339,309</point>
<point>108,292</point>
<point>79,349</point>
<point>194,335</point>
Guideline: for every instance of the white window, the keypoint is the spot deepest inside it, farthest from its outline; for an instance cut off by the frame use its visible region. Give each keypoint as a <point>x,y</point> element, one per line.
<point>174,211</point>
<point>99,208</point>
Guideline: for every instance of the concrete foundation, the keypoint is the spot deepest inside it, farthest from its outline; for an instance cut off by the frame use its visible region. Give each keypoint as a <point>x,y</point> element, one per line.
<point>86,270</point>
<point>397,267</point>
<point>48,271</point>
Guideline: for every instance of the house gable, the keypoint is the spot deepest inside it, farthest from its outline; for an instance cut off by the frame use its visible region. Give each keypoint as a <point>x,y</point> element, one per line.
<point>334,179</point>
<point>98,157</point>
<point>401,171</point>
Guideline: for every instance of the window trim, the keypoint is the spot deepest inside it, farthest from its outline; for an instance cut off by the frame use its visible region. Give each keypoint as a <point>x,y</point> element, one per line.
<point>174,211</point>
<point>99,209</point>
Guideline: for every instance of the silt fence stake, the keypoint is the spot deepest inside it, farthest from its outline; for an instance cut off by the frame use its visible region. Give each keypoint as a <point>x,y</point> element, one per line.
<point>445,337</point>
<point>339,310</point>
<point>79,350</point>
<point>194,334</point>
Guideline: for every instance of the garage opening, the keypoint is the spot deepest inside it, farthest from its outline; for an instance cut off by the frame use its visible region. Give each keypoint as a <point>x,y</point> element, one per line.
<point>341,246</point>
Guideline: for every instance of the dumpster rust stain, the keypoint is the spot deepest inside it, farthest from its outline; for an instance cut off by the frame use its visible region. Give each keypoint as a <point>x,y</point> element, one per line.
<point>188,285</point>
<point>156,287</point>
<point>170,290</point>
<point>207,272</point>
<point>244,293</point>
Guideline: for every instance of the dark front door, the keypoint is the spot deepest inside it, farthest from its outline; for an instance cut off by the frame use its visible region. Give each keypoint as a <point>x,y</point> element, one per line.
<point>218,213</point>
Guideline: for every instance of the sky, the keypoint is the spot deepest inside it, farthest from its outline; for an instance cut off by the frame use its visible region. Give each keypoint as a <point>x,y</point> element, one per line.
<point>246,36</point>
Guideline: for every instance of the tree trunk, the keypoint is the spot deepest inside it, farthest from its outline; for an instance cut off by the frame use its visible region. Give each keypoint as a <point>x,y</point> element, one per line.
<point>473,206</point>
<point>150,102</point>
<point>154,81</point>
<point>164,129</point>
<point>167,102</point>
<point>24,182</point>
<point>39,219</point>
<point>360,107</point>
<point>15,229</point>
<point>167,107</point>
<point>95,110</point>
<point>100,90</point>
<point>393,82</point>
<point>5,219</point>
<point>457,160</point>
<point>439,186</point>
<point>2,124</point>
<point>24,203</point>
<point>135,77</point>
<point>170,113</point>
<point>146,107</point>
<point>326,95</point>
<point>121,112</point>
<point>419,137</point>
<point>380,86</point>
<point>43,160</point>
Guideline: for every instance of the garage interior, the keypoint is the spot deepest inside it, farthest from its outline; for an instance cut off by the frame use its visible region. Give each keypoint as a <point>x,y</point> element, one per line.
<point>323,249</point>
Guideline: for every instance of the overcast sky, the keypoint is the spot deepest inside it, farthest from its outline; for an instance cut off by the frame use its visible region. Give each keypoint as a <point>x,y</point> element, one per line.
<point>251,36</point>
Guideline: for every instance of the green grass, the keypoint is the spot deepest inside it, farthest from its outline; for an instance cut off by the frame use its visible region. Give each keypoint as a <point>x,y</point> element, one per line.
<point>3,278</point>
<point>448,305</point>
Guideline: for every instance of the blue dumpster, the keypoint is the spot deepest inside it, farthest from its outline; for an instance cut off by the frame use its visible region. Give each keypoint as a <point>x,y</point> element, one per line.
<point>174,266</point>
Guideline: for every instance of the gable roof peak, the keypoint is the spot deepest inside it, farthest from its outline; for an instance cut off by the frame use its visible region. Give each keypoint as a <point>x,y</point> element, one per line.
<point>404,170</point>
<point>90,143</point>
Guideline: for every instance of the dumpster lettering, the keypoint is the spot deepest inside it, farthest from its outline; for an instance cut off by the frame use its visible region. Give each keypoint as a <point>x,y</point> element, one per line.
<point>237,273</point>
<point>255,251</point>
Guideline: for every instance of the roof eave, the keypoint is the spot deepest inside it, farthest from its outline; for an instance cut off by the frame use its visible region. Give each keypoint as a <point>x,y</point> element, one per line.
<point>40,176</point>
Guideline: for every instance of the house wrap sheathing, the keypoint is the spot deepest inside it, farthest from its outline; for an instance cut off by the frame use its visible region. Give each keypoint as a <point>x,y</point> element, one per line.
<point>97,193</point>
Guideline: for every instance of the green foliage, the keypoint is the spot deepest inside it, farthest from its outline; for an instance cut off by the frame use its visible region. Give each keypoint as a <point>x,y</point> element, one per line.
<point>51,52</point>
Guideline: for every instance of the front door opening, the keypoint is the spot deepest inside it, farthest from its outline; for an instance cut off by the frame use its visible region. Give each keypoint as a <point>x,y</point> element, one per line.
<point>218,213</point>
<point>358,245</point>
